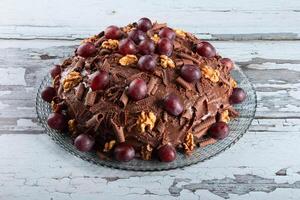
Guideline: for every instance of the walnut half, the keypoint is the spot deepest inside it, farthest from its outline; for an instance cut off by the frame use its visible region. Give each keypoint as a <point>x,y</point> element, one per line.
<point>210,73</point>
<point>189,143</point>
<point>128,60</point>
<point>166,62</point>
<point>71,80</point>
<point>146,120</point>
<point>146,152</point>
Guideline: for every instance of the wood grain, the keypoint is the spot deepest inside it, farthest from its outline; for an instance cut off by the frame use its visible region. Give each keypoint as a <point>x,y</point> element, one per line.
<point>220,20</point>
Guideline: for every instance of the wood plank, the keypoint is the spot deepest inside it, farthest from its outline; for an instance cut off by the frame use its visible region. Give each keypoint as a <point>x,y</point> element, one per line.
<point>40,169</point>
<point>220,20</point>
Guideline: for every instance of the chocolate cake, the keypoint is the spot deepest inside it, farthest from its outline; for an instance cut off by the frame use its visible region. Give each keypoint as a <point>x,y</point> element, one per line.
<point>145,91</point>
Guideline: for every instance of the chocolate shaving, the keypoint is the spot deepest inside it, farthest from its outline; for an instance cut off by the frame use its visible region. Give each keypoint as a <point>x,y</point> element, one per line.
<point>90,98</point>
<point>177,45</point>
<point>160,127</point>
<point>187,62</point>
<point>184,55</point>
<point>123,99</point>
<point>99,41</point>
<point>201,133</point>
<point>80,91</point>
<point>199,87</point>
<point>202,125</point>
<point>152,83</point>
<point>165,78</point>
<point>95,121</point>
<point>154,90</point>
<point>183,83</point>
<point>104,52</point>
<point>142,105</point>
<point>165,116</point>
<point>232,112</point>
<point>105,66</point>
<point>118,130</point>
<point>157,26</point>
<point>178,62</point>
<point>79,65</point>
<point>207,142</point>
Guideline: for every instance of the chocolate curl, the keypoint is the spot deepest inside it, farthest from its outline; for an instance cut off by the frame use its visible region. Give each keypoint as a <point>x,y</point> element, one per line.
<point>165,78</point>
<point>118,130</point>
<point>134,76</point>
<point>184,55</point>
<point>95,121</point>
<point>232,112</point>
<point>207,142</point>
<point>157,26</point>
<point>198,87</point>
<point>187,62</point>
<point>105,66</point>
<point>224,80</point>
<point>104,52</point>
<point>99,41</point>
<point>183,83</point>
<point>90,98</point>
<point>142,104</point>
<point>80,64</point>
<point>80,91</point>
<point>199,102</point>
<point>151,85</point>
<point>202,125</point>
<point>123,99</point>
<point>178,62</point>
<point>161,127</point>
<point>177,45</point>
<point>201,133</point>
<point>165,116</point>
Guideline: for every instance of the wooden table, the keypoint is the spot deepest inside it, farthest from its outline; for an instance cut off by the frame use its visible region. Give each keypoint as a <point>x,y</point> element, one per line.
<point>261,36</point>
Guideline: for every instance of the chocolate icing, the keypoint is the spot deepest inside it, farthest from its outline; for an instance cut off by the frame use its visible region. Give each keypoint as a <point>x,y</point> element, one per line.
<point>113,115</point>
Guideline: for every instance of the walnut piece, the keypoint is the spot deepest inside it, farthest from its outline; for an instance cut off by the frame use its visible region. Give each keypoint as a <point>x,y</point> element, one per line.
<point>128,60</point>
<point>232,83</point>
<point>90,39</point>
<point>210,73</point>
<point>146,120</point>
<point>155,38</point>
<point>189,143</point>
<point>146,152</point>
<point>71,80</point>
<point>110,44</point>
<point>180,33</point>
<point>128,28</point>
<point>166,62</point>
<point>109,145</point>
<point>225,116</point>
<point>72,125</point>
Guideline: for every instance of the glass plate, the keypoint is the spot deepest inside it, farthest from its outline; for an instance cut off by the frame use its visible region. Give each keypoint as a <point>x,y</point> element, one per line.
<point>238,127</point>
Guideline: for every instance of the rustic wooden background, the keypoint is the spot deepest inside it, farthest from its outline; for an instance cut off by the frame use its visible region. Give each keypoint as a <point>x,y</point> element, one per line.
<point>261,36</point>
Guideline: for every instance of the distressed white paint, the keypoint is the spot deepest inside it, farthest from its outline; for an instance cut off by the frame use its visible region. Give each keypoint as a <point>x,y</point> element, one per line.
<point>72,19</point>
<point>12,76</point>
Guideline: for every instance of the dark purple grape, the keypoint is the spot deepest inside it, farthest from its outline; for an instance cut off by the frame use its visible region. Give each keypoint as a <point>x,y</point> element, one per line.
<point>86,50</point>
<point>57,121</point>
<point>55,71</point>
<point>99,80</point>
<point>137,36</point>
<point>173,105</point>
<point>113,32</point>
<point>238,96</point>
<point>190,73</point>
<point>84,142</point>
<point>219,130</point>
<point>48,94</point>
<point>147,63</point>
<point>137,89</point>
<point>124,152</point>
<point>227,63</point>
<point>165,46</point>
<point>127,46</point>
<point>146,46</point>
<point>167,33</point>
<point>144,24</point>
<point>205,49</point>
<point>167,153</point>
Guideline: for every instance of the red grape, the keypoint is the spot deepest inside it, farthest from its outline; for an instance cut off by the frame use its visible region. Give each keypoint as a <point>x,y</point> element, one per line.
<point>113,32</point>
<point>99,80</point>
<point>165,46</point>
<point>167,153</point>
<point>127,46</point>
<point>227,63</point>
<point>137,36</point>
<point>190,73</point>
<point>219,130</point>
<point>205,49</point>
<point>57,121</point>
<point>173,105</point>
<point>55,70</point>
<point>48,94</point>
<point>147,63</point>
<point>146,46</point>
<point>137,89</point>
<point>84,142</point>
<point>144,24</point>
<point>167,33</point>
<point>238,96</point>
<point>124,152</point>
<point>86,50</point>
